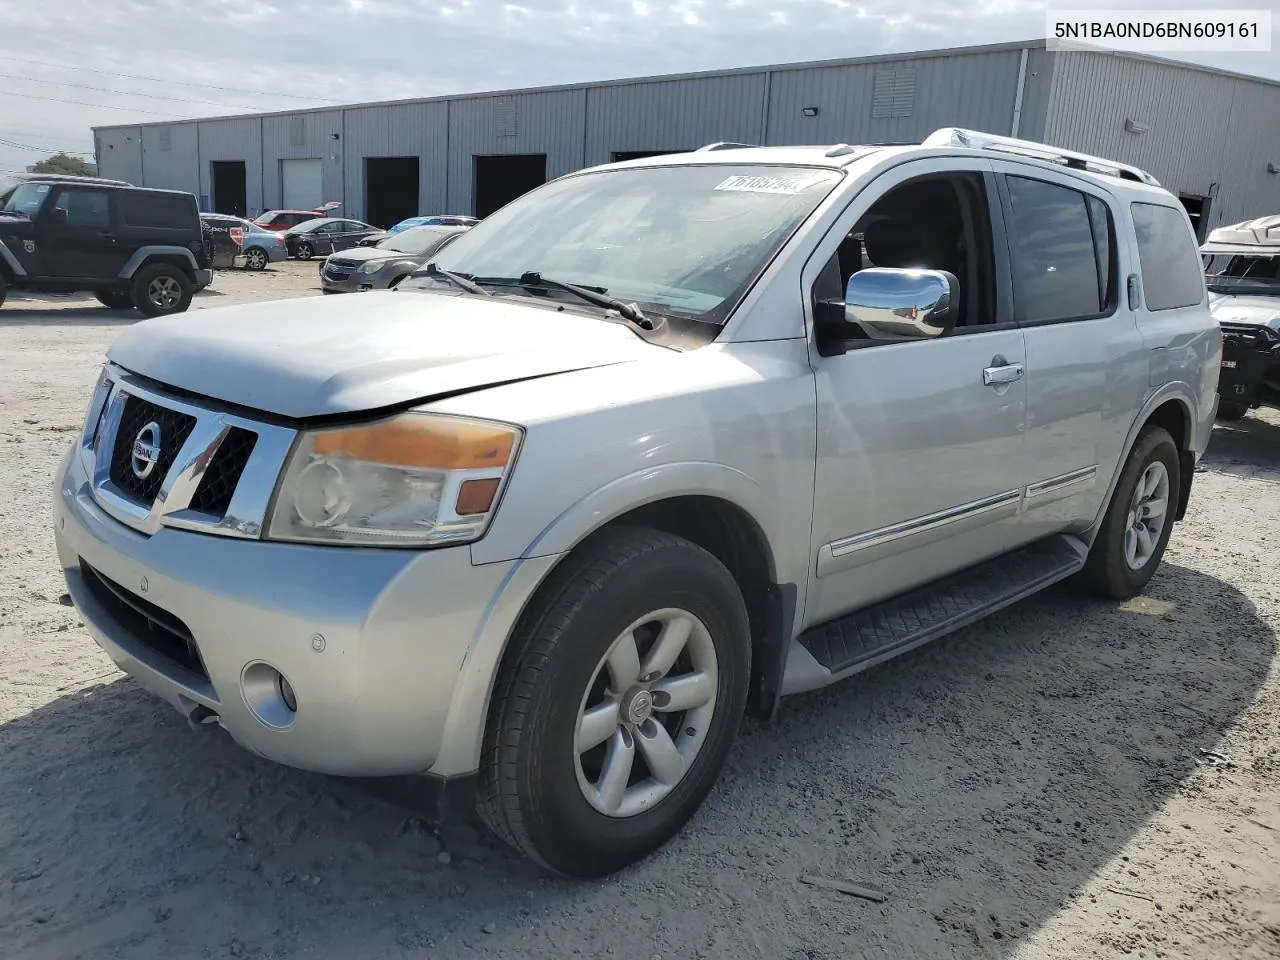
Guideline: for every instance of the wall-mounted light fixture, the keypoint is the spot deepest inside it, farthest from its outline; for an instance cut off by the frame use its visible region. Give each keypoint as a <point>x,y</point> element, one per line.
<point>1136,126</point>
<point>1272,168</point>
<point>809,111</point>
<point>333,136</point>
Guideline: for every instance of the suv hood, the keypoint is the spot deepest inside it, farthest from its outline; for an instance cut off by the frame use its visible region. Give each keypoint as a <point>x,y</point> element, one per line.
<point>1249,308</point>
<point>319,356</point>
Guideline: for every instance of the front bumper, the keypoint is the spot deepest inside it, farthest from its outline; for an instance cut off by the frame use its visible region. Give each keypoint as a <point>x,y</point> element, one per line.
<point>1248,360</point>
<point>390,653</point>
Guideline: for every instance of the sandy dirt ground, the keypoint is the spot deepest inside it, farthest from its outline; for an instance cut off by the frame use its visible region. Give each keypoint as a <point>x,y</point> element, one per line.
<point>1027,788</point>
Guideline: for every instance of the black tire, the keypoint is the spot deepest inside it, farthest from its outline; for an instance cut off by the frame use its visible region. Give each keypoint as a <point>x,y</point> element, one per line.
<point>4,288</point>
<point>1106,572</point>
<point>115,299</point>
<point>528,792</point>
<point>305,251</point>
<point>1229,410</point>
<point>176,285</point>
<point>258,256</point>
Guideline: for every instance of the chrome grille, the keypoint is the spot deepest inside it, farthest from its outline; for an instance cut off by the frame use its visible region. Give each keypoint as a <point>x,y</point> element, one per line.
<point>214,470</point>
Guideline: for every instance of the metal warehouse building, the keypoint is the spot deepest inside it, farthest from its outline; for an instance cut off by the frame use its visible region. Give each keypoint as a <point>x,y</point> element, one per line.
<point>1211,137</point>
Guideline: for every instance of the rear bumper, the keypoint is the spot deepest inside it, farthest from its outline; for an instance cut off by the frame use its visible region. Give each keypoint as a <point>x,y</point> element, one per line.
<point>204,278</point>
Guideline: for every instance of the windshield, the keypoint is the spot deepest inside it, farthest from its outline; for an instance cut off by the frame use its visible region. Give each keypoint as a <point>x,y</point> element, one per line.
<point>27,199</point>
<point>413,240</point>
<point>684,241</point>
<point>1244,275</point>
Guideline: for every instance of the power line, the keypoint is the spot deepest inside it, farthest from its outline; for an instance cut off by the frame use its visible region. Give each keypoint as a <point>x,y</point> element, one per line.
<point>181,83</point>
<point>34,149</point>
<point>84,103</point>
<point>127,93</point>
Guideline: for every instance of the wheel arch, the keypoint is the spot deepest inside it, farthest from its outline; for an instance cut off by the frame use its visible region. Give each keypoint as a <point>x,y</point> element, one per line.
<point>718,524</point>
<point>173,256</point>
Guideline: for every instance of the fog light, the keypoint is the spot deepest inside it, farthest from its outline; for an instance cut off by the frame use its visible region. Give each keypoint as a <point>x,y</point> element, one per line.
<point>286,692</point>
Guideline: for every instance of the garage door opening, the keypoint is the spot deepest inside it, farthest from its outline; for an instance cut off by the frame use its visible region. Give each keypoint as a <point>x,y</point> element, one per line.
<point>621,155</point>
<point>1198,212</point>
<point>301,184</point>
<point>500,179</point>
<point>229,187</point>
<point>390,190</point>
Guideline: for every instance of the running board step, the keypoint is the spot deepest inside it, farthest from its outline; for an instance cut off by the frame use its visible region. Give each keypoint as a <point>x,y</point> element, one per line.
<point>900,623</point>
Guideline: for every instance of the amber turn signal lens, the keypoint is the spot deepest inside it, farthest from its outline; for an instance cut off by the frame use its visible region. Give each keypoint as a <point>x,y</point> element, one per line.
<point>476,496</point>
<point>432,443</point>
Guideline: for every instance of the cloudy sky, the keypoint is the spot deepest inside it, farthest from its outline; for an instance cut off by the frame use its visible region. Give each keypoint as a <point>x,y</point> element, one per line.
<point>67,65</point>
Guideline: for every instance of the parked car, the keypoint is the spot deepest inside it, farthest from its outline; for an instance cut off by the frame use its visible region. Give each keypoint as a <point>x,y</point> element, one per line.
<point>1242,262</point>
<point>131,247</point>
<point>282,221</point>
<point>321,237</point>
<point>384,265</point>
<point>242,243</point>
<point>437,220</point>
<point>540,525</point>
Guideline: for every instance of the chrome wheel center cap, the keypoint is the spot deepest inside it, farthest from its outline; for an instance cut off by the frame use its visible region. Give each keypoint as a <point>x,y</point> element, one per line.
<point>638,707</point>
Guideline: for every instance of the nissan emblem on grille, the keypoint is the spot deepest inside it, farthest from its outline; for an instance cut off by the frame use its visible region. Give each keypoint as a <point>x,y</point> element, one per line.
<point>146,450</point>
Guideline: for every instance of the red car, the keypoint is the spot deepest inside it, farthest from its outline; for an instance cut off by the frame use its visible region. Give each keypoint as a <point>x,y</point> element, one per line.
<point>281,221</point>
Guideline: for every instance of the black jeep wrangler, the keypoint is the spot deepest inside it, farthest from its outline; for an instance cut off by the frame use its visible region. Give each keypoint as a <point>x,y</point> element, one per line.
<point>129,246</point>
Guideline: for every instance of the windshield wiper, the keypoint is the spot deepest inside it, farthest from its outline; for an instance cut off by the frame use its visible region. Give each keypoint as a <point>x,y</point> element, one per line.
<point>457,279</point>
<point>595,295</point>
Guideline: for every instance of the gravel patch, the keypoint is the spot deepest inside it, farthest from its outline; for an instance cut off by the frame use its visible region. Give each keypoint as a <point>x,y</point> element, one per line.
<point>1026,788</point>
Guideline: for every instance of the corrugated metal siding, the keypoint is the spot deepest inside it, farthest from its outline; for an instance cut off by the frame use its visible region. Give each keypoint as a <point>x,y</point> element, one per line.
<point>1035,94</point>
<point>170,156</point>
<point>414,130</point>
<point>1247,190</point>
<point>547,123</point>
<point>970,91</point>
<point>303,137</point>
<point>239,139</point>
<point>680,115</point>
<point>120,154</point>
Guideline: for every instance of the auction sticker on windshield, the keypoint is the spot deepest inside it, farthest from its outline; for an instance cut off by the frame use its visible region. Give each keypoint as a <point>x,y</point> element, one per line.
<point>784,185</point>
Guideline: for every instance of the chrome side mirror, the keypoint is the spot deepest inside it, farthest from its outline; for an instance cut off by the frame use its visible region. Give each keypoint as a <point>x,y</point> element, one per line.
<point>890,304</point>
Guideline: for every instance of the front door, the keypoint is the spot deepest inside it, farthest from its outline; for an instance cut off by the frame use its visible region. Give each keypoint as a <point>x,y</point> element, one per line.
<point>77,234</point>
<point>920,456</point>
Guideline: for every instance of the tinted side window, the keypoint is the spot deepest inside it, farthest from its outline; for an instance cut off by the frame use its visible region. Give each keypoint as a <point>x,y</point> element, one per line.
<point>1171,272</point>
<point>85,208</point>
<point>157,211</point>
<point>1055,260</point>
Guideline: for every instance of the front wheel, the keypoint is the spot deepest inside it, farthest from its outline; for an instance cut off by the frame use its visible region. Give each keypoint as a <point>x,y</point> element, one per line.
<point>1231,409</point>
<point>255,258</point>
<point>305,251</point>
<point>161,289</point>
<point>617,703</point>
<point>1139,519</point>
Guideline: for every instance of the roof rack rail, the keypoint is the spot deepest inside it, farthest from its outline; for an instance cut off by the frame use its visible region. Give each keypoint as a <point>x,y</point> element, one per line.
<point>958,137</point>
<point>725,145</point>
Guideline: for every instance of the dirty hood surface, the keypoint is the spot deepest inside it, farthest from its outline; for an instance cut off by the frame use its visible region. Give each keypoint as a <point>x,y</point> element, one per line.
<point>1246,308</point>
<point>318,356</point>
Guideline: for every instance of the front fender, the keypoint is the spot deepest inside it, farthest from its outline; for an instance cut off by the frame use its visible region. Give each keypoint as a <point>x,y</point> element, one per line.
<point>670,480</point>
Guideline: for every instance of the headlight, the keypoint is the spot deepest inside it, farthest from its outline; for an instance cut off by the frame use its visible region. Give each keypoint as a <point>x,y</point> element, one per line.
<point>416,479</point>
<point>370,266</point>
<point>97,403</point>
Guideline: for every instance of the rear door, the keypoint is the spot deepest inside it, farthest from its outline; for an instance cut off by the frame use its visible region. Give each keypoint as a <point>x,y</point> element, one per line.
<point>225,245</point>
<point>79,234</point>
<point>1086,366</point>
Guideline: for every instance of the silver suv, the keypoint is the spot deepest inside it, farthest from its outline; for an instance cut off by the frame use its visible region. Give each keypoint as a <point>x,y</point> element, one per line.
<point>656,445</point>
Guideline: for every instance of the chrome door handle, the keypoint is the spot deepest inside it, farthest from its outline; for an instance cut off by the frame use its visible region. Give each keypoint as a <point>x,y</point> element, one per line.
<point>994,376</point>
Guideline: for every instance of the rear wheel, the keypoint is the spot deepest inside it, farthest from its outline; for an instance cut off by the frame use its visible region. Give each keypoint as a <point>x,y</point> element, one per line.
<point>160,289</point>
<point>1232,409</point>
<point>617,703</point>
<point>4,288</point>
<point>115,299</point>
<point>1139,519</point>
<point>255,258</point>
